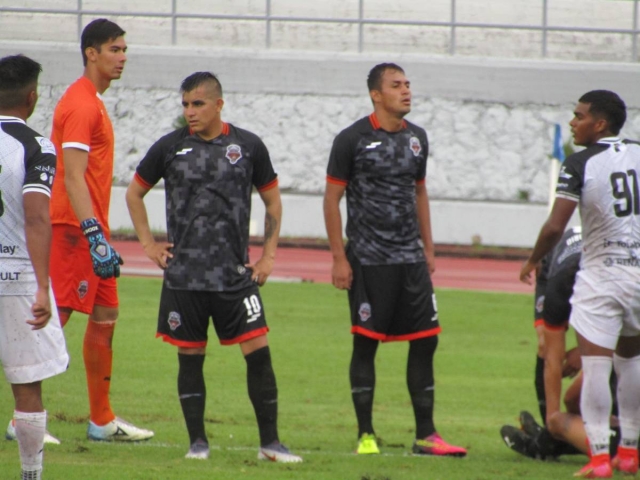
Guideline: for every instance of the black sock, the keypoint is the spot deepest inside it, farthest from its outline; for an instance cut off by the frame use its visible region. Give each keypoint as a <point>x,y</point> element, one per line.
<point>192,393</point>
<point>263,393</point>
<point>362,375</point>
<point>421,383</point>
<point>539,383</point>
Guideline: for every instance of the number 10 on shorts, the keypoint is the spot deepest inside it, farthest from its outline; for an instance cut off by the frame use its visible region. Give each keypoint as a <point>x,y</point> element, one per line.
<point>254,308</point>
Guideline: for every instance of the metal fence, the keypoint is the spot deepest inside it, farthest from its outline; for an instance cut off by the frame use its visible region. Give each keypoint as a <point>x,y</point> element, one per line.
<point>452,25</point>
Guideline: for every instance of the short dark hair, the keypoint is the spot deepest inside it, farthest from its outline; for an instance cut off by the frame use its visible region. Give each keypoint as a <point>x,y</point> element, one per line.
<point>196,79</point>
<point>97,33</point>
<point>374,80</point>
<point>609,105</point>
<point>18,75</point>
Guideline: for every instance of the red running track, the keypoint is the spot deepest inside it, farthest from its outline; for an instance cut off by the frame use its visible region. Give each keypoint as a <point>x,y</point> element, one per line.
<point>309,265</point>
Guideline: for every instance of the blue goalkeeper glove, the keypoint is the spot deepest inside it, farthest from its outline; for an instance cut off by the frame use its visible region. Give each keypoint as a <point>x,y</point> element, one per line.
<point>106,261</point>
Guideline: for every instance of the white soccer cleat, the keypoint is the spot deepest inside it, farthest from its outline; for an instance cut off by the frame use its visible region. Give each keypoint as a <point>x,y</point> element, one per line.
<point>199,450</point>
<point>117,430</point>
<point>277,452</point>
<point>10,434</point>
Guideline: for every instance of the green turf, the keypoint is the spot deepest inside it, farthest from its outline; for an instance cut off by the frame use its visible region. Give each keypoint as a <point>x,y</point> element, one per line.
<point>484,377</point>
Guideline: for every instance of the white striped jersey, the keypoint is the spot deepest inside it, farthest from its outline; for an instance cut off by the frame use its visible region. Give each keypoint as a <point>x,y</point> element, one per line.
<point>604,180</point>
<point>27,164</point>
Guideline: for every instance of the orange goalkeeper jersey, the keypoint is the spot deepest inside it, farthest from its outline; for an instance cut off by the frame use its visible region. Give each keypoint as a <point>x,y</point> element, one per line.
<point>81,121</point>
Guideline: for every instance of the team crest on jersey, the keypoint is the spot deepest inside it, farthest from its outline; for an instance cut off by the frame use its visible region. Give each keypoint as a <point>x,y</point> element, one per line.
<point>364,312</point>
<point>45,145</point>
<point>234,153</point>
<point>414,145</point>
<point>540,303</point>
<point>83,288</point>
<point>174,320</point>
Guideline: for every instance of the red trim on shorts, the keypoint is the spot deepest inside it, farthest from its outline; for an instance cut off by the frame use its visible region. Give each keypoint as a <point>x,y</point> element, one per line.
<point>336,181</point>
<point>246,336</point>
<point>556,328</point>
<point>538,322</point>
<point>272,184</point>
<point>367,333</point>
<point>413,336</point>
<point>141,181</point>
<point>180,343</point>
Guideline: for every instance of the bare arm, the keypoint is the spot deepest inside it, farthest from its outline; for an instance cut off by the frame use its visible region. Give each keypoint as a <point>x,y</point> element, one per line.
<point>424,222</point>
<point>272,221</point>
<point>341,272</point>
<point>156,251</point>
<point>549,236</point>
<point>75,164</point>
<point>38,235</point>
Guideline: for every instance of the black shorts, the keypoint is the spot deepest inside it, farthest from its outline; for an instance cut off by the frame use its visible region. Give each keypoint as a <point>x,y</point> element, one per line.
<point>392,302</point>
<point>557,307</point>
<point>184,315</point>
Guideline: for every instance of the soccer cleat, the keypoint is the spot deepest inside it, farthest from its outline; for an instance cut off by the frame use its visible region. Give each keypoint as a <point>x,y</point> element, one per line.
<point>626,461</point>
<point>598,467</point>
<point>199,450</point>
<point>277,452</point>
<point>367,444</point>
<point>528,424</point>
<point>517,440</point>
<point>10,434</point>
<point>435,445</point>
<point>117,430</point>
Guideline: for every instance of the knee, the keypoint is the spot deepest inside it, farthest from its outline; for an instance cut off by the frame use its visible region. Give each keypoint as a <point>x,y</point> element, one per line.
<point>554,424</point>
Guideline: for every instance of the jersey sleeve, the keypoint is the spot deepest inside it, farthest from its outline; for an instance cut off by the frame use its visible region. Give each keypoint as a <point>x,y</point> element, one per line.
<point>341,158</point>
<point>571,179</point>
<point>264,176</point>
<point>152,167</point>
<point>78,126</point>
<point>40,167</point>
<point>422,168</point>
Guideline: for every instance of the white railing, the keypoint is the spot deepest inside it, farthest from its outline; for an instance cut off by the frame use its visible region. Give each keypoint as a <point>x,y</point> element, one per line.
<point>268,19</point>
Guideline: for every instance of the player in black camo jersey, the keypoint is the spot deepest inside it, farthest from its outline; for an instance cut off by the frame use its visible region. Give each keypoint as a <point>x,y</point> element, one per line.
<point>209,169</point>
<point>380,162</point>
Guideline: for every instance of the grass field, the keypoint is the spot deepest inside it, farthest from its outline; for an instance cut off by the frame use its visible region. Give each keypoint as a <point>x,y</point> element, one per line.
<point>484,377</point>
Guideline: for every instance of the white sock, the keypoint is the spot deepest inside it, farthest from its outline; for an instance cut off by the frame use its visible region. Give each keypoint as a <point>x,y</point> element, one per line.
<point>628,371</point>
<point>595,402</point>
<point>30,428</point>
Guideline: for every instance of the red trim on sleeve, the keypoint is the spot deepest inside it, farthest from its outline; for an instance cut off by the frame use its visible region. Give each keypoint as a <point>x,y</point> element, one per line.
<point>246,336</point>
<point>421,182</point>
<point>180,343</point>
<point>413,336</point>
<point>556,328</point>
<point>141,181</point>
<point>225,128</point>
<point>367,333</point>
<point>272,184</point>
<point>336,181</point>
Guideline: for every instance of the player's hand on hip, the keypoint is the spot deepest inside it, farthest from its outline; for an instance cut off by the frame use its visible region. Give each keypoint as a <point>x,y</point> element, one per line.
<point>341,274</point>
<point>41,309</point>
<point>159,253</point>
<point>261,270</point>
<point>106,261</point>
<point>525,272</point>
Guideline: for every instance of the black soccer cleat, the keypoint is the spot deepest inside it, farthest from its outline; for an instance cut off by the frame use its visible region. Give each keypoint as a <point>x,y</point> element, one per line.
<point>528,424</point>
<point>518,441</point>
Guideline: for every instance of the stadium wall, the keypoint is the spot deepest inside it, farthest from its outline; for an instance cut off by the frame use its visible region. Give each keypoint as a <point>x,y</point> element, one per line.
<point>490,122</point>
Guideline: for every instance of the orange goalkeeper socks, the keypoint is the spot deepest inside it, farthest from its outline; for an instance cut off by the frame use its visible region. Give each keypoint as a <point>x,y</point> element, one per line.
<point>98,359</point>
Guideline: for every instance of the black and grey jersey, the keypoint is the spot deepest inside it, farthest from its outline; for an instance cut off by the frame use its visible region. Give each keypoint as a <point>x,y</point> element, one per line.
<point>564,259</point>
<point>208,188</point>
<point>27,165</point>
<point>604,179</point>
<point>380,170</point>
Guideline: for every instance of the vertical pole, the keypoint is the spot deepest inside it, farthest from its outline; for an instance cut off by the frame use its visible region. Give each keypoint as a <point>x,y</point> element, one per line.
<point>634,37</point>
<point>268,24</point>
<point>360,26</point>
<point>174,22</point>
<point>545,20</point>
<point>79,19</point>
<point>452,35</point>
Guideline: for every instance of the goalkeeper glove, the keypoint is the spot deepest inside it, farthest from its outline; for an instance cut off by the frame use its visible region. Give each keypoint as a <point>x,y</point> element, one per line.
<point>106,261</point>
